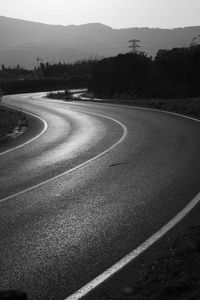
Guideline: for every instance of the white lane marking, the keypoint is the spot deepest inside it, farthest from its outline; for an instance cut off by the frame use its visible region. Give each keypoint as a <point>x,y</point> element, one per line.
<point>84,99</point>
<point>125,131</point>
<point>158,110</point>
<point>133,107</point>
<point>30,140</point>
<point>132,255</point>
<point>145,245</point>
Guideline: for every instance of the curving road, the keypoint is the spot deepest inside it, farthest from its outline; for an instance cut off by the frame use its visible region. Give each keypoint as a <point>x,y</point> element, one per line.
<point>96,183</point>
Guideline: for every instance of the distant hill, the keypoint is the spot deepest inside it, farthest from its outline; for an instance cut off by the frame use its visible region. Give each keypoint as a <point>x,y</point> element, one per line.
<point>22,42</point>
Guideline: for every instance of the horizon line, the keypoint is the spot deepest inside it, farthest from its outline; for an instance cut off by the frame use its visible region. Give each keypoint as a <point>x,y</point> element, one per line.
<point>90,23</point>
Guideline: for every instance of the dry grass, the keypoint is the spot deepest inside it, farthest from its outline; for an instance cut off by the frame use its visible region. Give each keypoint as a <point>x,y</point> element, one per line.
<point>9,121</point>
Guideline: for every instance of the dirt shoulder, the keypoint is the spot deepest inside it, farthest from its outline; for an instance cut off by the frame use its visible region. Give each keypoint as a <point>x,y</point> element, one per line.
<point>12,124</point>
<point>186,106</point>
<point>168,270</point>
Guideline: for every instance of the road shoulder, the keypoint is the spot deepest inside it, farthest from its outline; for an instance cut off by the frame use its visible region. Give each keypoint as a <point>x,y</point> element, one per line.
<point>18,137</point>
<point>169,269</point>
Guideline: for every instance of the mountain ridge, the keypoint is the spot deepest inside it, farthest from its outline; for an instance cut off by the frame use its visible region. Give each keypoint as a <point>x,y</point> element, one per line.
<point>22,41</point>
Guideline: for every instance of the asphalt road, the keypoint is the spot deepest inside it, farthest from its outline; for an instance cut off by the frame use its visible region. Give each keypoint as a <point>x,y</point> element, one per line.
<point>139,168</point>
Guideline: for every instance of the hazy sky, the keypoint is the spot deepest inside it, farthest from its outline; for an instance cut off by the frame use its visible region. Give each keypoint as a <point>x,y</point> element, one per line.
<point>115,13</point>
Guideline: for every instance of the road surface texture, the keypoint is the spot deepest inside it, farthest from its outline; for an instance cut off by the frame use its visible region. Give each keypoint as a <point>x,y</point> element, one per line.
<point>137,170</point>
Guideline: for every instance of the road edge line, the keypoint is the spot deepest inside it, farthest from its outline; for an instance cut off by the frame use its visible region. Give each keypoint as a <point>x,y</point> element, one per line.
<point>125,131</point>
<point>146,244</point>
<point>140,108</point>
<point>135,253</point>
<point>30,140</point>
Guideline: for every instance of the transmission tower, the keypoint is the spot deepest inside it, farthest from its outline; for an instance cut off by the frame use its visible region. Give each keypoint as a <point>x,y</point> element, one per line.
<point>134,46</point>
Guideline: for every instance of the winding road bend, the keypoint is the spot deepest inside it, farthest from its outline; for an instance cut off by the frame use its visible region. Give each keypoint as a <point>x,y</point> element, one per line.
<point>93,182</point>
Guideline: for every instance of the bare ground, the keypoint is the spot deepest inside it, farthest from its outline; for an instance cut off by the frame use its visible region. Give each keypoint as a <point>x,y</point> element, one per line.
<point>11,124</point>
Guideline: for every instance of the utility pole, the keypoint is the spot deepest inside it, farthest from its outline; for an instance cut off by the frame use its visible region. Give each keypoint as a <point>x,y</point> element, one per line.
<point>134,46</point>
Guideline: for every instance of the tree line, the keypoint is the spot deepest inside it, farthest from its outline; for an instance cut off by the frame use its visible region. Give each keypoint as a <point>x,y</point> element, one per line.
<point>171,73</point>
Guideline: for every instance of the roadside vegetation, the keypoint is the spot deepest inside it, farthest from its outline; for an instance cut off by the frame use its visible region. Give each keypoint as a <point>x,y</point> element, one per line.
<point>174,273</point>
<point>185,106</point>
<point>171,74</point>
<point>168,272</point>
<point>66,95</point>
<point>188,106</point>
<point>11,123</point>
<point>171,82</point>
<point>45,77</point>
